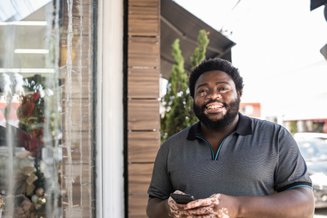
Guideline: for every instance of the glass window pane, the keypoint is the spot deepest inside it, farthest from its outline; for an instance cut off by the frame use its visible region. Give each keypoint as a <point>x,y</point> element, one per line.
<point>46,108</point>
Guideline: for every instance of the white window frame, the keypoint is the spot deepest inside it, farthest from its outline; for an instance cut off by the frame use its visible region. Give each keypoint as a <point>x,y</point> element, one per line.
<point>109,112</point>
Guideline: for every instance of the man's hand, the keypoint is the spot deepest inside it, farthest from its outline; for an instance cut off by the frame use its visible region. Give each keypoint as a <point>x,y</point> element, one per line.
<point>177,210</point>
<point>202,208</point>
<point>210,207</point>
<point>297,203</point>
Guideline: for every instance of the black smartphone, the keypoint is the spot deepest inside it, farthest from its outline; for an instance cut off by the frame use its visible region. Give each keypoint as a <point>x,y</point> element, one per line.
<point>182,198</point>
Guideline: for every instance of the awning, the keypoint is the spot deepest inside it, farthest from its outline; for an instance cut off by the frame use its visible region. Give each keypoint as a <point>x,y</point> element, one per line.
<point>317,3</point>
<point>176,22</point>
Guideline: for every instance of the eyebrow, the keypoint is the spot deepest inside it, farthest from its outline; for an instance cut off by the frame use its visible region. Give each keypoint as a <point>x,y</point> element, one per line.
<point>217,83</point>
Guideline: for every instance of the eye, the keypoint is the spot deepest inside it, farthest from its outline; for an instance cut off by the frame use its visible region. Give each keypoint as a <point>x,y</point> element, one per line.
<point>222,89</point>
<point>202,92</point>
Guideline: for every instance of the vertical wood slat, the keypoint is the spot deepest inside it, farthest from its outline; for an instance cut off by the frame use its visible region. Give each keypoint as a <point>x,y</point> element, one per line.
<point>143,114</point>
<point>143,17</point>
<point>143,52</point>
<point>143,99</point>
<point>143,146</point>
<point>139,179</point>
<point>143,83</point>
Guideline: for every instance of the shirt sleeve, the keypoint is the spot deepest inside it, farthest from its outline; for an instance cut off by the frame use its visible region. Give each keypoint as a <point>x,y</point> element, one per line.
<point>160,185</point>
<point>292,170</point>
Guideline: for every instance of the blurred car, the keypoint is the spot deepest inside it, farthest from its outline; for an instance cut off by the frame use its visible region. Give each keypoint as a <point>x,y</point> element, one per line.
<point>314,151</point>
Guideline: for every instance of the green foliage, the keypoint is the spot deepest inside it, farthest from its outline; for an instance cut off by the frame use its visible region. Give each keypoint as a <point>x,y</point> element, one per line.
<point>200,51</point>
<point>177,103</point>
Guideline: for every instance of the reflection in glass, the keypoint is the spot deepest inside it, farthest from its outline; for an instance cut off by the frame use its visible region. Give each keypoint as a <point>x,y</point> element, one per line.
<point>30,113</point>
<point>46,119</point>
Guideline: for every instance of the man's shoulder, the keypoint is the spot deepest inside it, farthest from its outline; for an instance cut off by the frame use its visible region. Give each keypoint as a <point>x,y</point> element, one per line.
<point>179,137</point>
<point>262,125</point>
<point>250,125</point>
<point>260,121</point>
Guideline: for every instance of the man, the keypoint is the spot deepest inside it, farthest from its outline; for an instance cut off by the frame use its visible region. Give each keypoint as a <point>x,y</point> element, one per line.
<point>235,166</point>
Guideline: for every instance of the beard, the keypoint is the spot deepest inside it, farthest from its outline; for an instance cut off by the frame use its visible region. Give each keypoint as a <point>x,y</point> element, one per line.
<point>232,111</point>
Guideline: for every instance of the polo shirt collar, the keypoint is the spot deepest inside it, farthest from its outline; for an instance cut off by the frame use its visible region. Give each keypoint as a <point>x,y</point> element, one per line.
<point>243,127</point>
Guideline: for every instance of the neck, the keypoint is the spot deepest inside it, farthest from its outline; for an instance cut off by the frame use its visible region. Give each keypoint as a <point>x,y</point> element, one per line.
<point>219,133</point>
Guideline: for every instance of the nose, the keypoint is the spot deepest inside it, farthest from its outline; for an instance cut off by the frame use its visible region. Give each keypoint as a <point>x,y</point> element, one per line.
<point>214,94</point>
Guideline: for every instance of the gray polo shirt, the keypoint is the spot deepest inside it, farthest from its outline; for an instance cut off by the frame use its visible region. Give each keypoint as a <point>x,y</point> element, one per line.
<point>258,158</point>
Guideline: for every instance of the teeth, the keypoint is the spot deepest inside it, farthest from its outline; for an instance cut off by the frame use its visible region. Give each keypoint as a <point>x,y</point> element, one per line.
<point>213,106</point>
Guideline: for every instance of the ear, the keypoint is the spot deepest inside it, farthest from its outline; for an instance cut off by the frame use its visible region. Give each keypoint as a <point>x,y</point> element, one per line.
<point>239,93</point>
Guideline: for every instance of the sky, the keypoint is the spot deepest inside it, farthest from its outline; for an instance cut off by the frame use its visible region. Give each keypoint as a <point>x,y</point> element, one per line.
<point>277,51</point>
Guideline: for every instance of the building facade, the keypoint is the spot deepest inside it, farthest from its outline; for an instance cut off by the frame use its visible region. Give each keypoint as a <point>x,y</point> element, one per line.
<point>93,69</point>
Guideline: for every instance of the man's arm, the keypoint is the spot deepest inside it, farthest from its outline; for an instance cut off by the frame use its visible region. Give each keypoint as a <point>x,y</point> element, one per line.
<point>297,203</point>
<point>157,208</point>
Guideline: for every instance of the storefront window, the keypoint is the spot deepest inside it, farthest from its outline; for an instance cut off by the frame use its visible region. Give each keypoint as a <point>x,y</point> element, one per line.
<point>46,91</point>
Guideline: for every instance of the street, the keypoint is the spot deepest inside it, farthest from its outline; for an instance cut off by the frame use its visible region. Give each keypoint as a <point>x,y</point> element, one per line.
<point>321,213</point>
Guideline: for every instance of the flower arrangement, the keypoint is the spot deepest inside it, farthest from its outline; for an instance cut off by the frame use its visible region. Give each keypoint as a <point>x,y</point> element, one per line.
<point>26,181</point>
<point>29,189</point>
<point>31,118</point>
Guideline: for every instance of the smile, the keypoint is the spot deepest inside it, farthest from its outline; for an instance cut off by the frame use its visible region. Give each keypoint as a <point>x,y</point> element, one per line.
<point>214,107</point>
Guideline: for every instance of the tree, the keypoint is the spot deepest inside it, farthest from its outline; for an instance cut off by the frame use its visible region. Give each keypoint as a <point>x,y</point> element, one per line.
<point>177,103</point>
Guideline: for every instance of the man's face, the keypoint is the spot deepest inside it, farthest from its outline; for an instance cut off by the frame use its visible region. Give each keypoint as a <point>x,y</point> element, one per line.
<point>216,101</point>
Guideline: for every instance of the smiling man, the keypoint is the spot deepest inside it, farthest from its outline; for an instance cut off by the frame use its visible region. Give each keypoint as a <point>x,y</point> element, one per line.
<point>233,165</point>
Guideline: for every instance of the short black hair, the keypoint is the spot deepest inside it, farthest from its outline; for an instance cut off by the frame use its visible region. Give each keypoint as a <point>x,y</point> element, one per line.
<point>216,64</point>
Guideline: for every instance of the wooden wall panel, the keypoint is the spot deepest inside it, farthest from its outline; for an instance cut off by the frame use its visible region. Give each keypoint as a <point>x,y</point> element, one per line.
<point>143,115</point>
<point>139,178</point>
<point>144,60</point>
<point>143,146</point>
<point>143,99</point>
<point>144,46</point>
<point>137,204</point>
<point>143,83</point>
<point>138,185</point>
<point>143,52</point>
<point>143,17</point>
